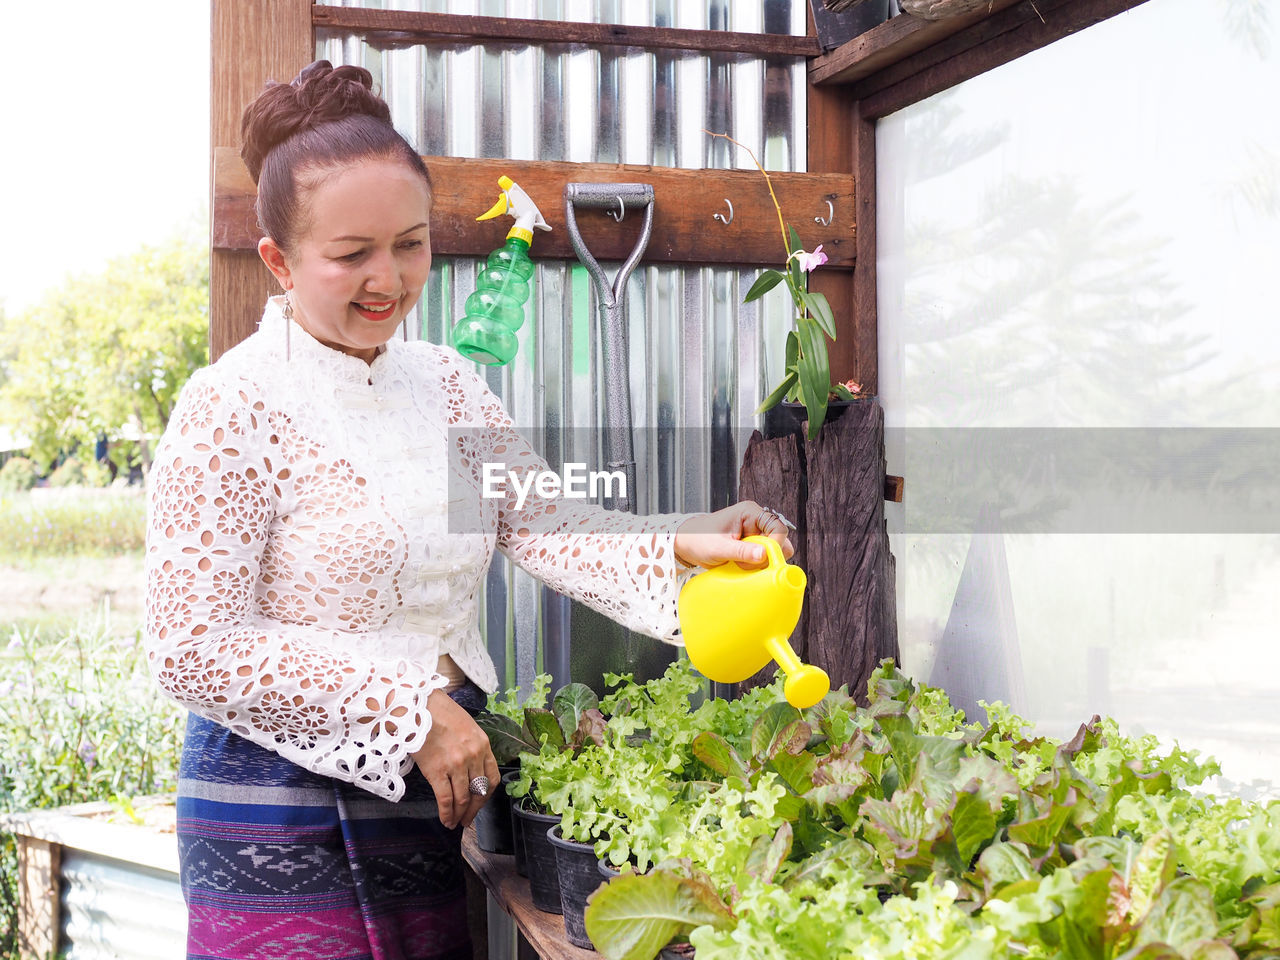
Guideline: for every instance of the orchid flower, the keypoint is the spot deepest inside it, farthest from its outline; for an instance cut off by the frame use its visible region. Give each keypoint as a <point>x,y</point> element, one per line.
<point>810,261</point>
<point>807,376</point>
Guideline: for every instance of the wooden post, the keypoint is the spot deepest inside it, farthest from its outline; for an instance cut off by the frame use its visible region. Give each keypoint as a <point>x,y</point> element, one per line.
<point>831,149</point>
<point>39,899</point>
<point>253,41</point>
<point>833,489</point>
<point>851,625</point>
<point>866,313</point>
<point>773,476</point>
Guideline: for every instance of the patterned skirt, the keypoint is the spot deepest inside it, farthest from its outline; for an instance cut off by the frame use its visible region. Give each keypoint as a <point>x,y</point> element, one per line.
<point>278,863</point>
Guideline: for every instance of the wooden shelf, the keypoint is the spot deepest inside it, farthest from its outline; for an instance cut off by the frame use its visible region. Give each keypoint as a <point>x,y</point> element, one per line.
<point>686,202</point>
<point>894,40</point>
<point>544,932</point>
<point>905,60</point>
<point>398,28</point>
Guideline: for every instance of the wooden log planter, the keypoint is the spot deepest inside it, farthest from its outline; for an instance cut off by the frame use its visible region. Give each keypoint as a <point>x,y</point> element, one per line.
<point>833,489</point>
<point>93,883</point>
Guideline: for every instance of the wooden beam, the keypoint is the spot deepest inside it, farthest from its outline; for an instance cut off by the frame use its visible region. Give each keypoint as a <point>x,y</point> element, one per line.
<point>865,304</point>
<point>890,42</point>
<point>996,40</point>
<point>893,488</point>
<point>252,41</point>
<point>398,28</point>
<point>829,112</point>
<point>684,228</point>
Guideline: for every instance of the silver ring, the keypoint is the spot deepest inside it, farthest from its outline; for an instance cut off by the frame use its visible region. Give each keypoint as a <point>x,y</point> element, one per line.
<point>765,512</point>
<point>479,786</point>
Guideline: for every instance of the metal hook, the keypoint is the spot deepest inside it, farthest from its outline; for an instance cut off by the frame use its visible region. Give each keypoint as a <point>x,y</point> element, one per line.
<point>831,214</point>
<point>620,213</point>
<point>721,217</point>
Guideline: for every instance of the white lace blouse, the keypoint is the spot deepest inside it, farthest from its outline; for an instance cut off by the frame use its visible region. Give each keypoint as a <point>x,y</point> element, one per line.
<point>302,574</point>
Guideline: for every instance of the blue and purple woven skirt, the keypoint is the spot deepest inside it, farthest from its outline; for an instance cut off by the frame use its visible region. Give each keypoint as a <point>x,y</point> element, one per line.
<point>278,863</point>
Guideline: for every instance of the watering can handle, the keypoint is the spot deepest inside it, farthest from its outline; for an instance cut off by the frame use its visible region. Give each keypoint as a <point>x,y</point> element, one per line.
<point>772,549</point>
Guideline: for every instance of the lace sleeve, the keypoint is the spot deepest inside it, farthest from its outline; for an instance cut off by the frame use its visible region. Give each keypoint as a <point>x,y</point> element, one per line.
<point>620,565</point>
<point>291,687</point>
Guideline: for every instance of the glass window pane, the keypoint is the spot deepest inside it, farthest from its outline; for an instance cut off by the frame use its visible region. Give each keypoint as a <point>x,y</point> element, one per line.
<point>1081,241</point>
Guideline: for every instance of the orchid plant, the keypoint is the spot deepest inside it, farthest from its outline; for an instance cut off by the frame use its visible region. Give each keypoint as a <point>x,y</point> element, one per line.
<point>807,374</point>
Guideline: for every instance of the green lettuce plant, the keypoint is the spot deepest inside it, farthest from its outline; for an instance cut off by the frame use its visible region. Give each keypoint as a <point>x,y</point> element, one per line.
<point>902,829</point>
<point>524,728</point>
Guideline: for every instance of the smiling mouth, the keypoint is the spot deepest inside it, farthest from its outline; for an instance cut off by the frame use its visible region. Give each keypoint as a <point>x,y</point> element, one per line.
<point>377,310</point>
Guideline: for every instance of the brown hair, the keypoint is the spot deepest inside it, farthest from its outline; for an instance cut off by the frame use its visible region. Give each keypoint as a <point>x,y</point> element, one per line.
<point>324,118</point>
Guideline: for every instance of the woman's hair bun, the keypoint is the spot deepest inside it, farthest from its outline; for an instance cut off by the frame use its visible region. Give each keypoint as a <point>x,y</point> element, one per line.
<point>319,94</point>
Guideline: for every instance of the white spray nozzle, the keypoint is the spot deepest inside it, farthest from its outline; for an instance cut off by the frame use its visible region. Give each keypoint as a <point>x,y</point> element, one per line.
<point>517,203</point>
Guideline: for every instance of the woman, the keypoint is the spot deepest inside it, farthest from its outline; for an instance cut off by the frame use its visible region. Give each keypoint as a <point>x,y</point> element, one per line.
<point>308,599</point>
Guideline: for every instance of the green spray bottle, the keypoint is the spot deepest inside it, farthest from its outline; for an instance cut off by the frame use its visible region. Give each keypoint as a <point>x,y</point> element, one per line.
<point>492,315</point>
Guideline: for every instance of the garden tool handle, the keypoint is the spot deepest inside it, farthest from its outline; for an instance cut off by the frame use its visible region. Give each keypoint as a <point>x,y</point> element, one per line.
<point>608,196</point>
<point>619,450</point>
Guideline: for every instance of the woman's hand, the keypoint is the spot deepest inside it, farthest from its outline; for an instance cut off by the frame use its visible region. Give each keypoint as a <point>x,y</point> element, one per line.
<point>714,538</point>
<point>455,751</point>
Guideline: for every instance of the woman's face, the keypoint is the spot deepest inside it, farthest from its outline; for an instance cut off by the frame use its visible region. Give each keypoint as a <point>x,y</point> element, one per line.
<point>362,256</point>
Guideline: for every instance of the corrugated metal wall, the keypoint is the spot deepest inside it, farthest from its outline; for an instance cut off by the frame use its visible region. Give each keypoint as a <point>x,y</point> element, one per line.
<point>115,910</point>
<point>696,351</point>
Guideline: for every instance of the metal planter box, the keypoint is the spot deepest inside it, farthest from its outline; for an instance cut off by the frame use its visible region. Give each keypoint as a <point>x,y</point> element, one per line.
<point>94,885</point>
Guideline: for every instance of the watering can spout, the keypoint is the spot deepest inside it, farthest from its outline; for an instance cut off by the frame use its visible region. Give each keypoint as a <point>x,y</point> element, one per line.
<point>789,581</point>
<point>736,619</point>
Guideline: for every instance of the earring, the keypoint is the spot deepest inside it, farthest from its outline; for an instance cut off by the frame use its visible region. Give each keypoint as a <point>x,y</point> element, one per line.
<point>288,327</point>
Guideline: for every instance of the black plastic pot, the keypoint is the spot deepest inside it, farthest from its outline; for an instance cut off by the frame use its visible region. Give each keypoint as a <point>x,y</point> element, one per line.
<point>834,29</point>
<point>517,825</point>
<point>790,418</point>
<point>579,869</point>
<point>493,822</point>
<point>605,869</point>
<point>540,856</point>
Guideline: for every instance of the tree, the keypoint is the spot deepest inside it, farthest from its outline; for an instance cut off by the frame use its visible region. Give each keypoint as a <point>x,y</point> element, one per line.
<point>106,354</point>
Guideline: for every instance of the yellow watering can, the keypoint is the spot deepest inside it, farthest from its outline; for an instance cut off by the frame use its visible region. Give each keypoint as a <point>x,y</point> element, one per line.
<point>736,619</point>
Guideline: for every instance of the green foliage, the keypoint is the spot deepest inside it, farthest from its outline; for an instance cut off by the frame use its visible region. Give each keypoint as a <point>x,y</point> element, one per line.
<point>899,829</point>
<point>69,473</point>
<point>73,472</point>
<point>510,704</point>
<point>653,908</point>
<point>96,474</point>
<point>80,720</point>
<point>40,524</point>
<point>106,355</point>
<point>18,474</point>
<point>807,374</point>
<point>515,728</point>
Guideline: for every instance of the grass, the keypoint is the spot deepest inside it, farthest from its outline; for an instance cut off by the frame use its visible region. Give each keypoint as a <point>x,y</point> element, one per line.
<point>80,717</point>
<point>83,522</point>
<point>80,720</point>
<point>59,594</point>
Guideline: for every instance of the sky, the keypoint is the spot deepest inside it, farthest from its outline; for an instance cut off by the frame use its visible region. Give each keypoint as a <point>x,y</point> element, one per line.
<point>106,130</point>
